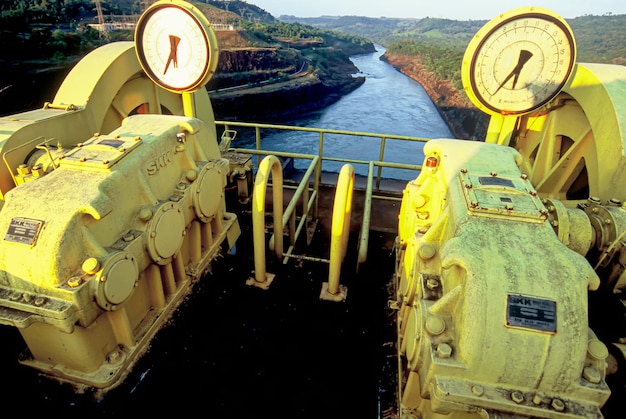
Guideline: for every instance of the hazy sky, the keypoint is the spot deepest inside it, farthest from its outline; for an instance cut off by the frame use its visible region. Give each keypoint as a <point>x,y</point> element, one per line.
<point>451,9</point>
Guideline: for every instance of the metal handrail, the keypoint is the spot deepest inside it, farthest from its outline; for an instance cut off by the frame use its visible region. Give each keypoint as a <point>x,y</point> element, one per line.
<point>302,193</point>
<point>258,127</point>
<point>316,166</point>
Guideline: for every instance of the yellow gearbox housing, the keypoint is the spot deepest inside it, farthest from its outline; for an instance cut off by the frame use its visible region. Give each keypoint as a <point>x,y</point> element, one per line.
<point>493,311</point>
<point>98,252</point>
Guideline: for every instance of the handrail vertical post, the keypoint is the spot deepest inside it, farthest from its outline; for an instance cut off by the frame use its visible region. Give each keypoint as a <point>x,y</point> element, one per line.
<point>381,157</point>
<point>318,174</point>
<point>305,208</point>
<point>290,213</point>
<point>292,229</point>
<point>257,138</point>
<point>367,213</point>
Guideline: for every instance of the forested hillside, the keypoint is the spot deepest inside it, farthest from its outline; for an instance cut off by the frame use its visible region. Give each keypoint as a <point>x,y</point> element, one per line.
<point>43,29</point>
<point>599,39</point>
<point>385,31</point>
<point>43,39</point>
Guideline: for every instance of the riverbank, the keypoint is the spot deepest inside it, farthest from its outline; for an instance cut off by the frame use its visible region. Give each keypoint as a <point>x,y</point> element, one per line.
<point>278,100</point>
<point>265,84</point>
<point>462,117</point>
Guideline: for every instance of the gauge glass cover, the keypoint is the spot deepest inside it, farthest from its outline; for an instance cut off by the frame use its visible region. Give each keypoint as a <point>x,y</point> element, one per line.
<point>519,61</point>
<point>174,47</point>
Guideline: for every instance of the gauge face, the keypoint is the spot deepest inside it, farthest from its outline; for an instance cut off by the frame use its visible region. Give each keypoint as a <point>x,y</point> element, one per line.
<point>519,61</point>
<point>176,46</point>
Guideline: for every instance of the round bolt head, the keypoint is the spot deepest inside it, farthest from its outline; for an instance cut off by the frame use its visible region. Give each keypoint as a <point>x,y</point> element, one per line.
<point>427,251</point>
<point>597,349</point>
<point>435,325</point>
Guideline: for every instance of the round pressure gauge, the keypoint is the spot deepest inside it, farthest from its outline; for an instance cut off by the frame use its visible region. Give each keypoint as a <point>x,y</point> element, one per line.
<point>518,61</point>
<point>176,46</point>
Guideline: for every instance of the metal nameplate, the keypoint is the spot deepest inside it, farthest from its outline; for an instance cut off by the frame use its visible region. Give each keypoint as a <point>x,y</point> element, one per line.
<point>531,313</point>
<point>23,231</point>
<point>111,143</point>
<point>495,181</point>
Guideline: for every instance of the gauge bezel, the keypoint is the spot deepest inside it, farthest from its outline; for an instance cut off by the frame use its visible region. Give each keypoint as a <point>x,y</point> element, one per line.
<point>192,29</point>
<point>521,100</point>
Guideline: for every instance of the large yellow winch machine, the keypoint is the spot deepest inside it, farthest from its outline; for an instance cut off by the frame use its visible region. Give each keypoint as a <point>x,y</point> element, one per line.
<point>503,243</point>
<point>105,233</point>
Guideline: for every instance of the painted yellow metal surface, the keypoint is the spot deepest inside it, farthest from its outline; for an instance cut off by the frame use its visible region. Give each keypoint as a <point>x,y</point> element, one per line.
<point>89,278</point>
<point>487,322</point>
<point>141,218</point>
<point>473,274</point>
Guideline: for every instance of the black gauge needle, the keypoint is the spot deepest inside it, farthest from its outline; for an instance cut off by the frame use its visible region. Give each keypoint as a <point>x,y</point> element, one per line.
<point>173,58</point>
<point>524,56</point>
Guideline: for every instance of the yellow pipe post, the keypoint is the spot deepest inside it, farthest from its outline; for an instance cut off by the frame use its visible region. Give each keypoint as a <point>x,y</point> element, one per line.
<point>189,107</point>
<point>340,231</point>
<point>270,163</point>
<point>381,157</point>
<point>367,213</point>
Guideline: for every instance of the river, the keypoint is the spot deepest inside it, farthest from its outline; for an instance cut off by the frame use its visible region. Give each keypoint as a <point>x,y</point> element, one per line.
<point>387,103</point>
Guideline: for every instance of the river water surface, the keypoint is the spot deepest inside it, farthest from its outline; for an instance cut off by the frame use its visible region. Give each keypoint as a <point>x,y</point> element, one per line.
<point>387,103</point>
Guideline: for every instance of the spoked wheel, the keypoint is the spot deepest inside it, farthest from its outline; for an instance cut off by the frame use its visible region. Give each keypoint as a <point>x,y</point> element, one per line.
<point>560,158</point>
<point>573,149</point>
